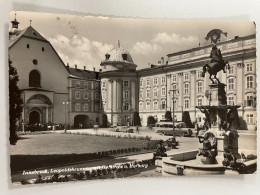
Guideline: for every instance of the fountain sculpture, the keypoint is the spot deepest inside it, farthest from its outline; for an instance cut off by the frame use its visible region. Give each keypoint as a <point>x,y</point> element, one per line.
<point>218,151</point>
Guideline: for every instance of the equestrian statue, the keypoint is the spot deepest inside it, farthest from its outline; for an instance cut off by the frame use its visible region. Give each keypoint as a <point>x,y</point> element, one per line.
<point>217,62</point>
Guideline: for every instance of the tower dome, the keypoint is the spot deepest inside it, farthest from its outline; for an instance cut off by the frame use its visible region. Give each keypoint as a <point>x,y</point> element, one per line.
<point>118,59</point>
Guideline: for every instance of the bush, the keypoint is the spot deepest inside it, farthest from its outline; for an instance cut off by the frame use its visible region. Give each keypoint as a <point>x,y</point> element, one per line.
<point>242,124</point>
<point>151,121</point>
<point>104,120</point>
<point>186,119</point>
<point>136,119</point>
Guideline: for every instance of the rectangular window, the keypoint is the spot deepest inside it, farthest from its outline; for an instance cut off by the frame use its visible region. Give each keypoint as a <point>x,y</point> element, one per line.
<point>199,87</point>
<point>141,83</point>
<point>140,105</point>
<point>97,96</point>
<point>249,101</point>
<point>126,83</point>
<point>174,78</point>
<point>163,91</point>
<point>231,83</point>
<point>155,81</point>
<point>231,70</point>
<point>231,100</point>
<point>85,95</point>
<point>148,93</point>
<point>199,102</point>
<point>163,104</point>
<point>126,106</point>
<point>249,67</point>
<point>126,93</point>
<point>97,108</point>
<point>155,93</point>
<point>155,105</point>
<point>86,107</point>
<point>86,85</point>
<point>77,95</point>
<point>77,107</point>
<point>186,88</point>
<point>249,118</point>
<point>199,74</point>
<point>141,94</point>
<point>77,84</point>
<point>186,103</point>
<point>186,76</point>
<point>249,82</point>
<point>104,84</point>
<point>97,85</point>
<point>163,80</point>
<point>147,105</point>
<point>147,82</point>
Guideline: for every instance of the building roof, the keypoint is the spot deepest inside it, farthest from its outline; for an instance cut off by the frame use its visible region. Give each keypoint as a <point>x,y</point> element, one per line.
<point>116,55</point>
<point>28,32</point>
<point>82,74</point>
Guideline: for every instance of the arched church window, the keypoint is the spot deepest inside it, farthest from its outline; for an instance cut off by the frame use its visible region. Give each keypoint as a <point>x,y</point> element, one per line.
<point>107,56</point>
<point>34,79</point>
<point>124,56</point>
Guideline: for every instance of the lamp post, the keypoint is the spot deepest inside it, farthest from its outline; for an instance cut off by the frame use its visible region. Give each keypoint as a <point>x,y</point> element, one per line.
<point>65,119</point>
<point>173,118</point>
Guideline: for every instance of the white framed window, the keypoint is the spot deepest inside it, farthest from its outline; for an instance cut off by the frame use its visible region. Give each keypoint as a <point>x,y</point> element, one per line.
<point>86,84</point>
<point>163,104</point>
<point>186,103</point>
<point>155,92</point>
<point>148,106</point>
<point>163,91</point>
<point>86,96</point>
<point>104,84</point>
<point>77,106</point>
<point>141,83</point>
<point>174,78</point>
<point>163,80</point>
<point>200,87</point>
<point>126,106</point>
<point>231,70</point>
<point>147,82</point>
<point>249,82</point>
<point>126,83</point>
<point>186,76</point>
<point>231,100</point>
<point>249,67</point>
<point>155,105</point>
<point>77,84</point>
<point>148,93</point>
<point>155,80</point>
<point>77,95</point>
<point>103,94</point>
<point>249,100</point>
<point>199,74</point>
<point>250,118</point>
<point>86,107</point>
<point>126,93</point>
<point>231,84</point>
<point>186,88</point>
<point>199,102</point>
<point>140,105</point>
<point>141,94</point>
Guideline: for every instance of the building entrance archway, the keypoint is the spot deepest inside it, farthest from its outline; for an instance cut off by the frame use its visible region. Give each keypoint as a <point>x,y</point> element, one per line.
<point>81,121</point>
<point>34,117</point>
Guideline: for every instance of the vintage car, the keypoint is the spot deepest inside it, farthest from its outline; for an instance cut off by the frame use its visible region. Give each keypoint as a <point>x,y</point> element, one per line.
<point>166,128</point>
<point>125,129</point>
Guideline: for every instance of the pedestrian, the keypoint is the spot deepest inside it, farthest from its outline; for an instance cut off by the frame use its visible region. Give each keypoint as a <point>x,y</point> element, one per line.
<point>137,129</point>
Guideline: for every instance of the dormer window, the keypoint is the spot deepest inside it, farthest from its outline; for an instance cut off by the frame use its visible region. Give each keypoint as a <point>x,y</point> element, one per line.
<point>107,56</point>
<point>28,46</point>
<point>124,56</point>
<point>42,48</point>
<point>34,33</point>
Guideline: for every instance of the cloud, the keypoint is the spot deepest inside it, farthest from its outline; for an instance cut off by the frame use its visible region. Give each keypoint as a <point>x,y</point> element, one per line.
<point>145,48</point>
<point>176,39</point>
<point>80,50</point>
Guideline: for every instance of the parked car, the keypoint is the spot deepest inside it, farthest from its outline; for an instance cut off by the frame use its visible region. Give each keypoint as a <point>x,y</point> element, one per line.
<point>124,129</point>
<point>166,128</point>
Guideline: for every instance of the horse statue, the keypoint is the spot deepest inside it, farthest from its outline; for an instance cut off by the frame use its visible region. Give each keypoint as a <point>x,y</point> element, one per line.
<point>217,64</point>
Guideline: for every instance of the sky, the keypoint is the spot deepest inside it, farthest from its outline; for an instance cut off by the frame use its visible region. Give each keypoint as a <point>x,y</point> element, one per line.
<point>84,40</point>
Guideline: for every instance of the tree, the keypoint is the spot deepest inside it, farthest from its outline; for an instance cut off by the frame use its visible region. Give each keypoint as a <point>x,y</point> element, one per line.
<point>136,119</point>
<point>242,124</point>
<point>186,119</point>
<point>104,120</point>
<point>168,116</point>
<point>151,121</point>
<point>15,102</point>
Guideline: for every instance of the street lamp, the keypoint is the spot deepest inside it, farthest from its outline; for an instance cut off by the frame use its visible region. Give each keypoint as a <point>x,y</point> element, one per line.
<point>173,118</point>
<point>65,105</point>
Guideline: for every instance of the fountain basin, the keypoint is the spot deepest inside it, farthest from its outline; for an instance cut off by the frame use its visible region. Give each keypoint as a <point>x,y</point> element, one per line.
<point>188,163</point>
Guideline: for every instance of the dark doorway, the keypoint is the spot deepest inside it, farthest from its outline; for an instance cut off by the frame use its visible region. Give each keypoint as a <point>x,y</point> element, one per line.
<point>34,117</point>
<point>81,121</point>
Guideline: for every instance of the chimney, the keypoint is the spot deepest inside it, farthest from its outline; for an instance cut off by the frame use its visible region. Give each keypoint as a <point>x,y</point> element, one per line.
<point>162,60</point>
<point>94,69</point>
<point>159,62</point>
<point>84,67</point>
<point>68,66</point>
<point>75,66</point>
